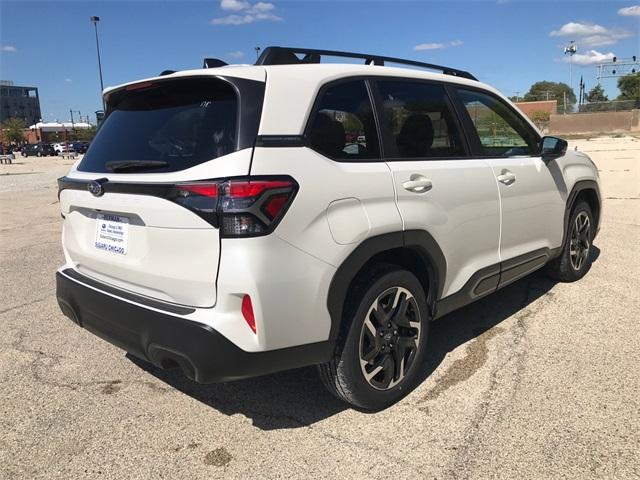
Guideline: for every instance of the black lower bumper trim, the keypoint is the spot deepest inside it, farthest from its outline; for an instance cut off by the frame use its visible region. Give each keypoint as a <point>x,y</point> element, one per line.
<point>167,307</point>
<point>204,355</point>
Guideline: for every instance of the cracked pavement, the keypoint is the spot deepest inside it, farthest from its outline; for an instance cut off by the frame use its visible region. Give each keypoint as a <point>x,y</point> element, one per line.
<point>539,380</point>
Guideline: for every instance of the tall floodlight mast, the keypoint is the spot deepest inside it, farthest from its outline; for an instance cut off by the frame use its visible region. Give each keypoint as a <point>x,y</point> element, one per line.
<point>571,50</point>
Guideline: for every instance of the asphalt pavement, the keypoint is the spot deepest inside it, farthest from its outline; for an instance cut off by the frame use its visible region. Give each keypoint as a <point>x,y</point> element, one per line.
<point>539,380</point>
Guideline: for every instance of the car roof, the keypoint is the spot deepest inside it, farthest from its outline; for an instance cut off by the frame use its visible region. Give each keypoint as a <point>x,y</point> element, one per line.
<point>320,73</point>
<point>291,89</point>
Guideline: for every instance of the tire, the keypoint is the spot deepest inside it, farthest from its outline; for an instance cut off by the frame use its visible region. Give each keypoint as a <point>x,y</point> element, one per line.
<point>393,351</point>
<point>575,259</point>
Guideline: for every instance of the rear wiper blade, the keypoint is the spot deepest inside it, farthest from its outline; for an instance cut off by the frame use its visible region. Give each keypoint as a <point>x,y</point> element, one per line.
<point>123,165</point>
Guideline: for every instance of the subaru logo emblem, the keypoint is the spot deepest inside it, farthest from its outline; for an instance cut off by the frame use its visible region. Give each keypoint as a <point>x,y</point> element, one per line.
<point>95,187</point>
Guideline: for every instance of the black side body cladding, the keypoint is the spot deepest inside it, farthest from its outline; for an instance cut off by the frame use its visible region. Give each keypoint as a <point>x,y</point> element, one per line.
<point>493,278</point>
<point>202,353</point>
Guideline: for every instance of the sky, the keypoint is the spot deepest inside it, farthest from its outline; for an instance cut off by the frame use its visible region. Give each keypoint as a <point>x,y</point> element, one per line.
<point>509,44</point>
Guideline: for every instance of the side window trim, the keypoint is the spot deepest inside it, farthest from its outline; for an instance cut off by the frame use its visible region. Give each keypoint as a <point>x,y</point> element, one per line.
<point>372,89</point>
<point>477,149</point>
<point>314,113</point>
<point>472,140</point>
<point>386,136</point>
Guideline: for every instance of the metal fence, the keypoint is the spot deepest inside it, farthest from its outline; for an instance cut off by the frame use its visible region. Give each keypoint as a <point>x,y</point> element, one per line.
<point>610,106</point>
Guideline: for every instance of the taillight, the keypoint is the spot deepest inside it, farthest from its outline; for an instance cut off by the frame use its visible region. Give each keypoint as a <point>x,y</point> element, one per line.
<point>239,207</point>
<point>253,207</point>
<point>201,198</point>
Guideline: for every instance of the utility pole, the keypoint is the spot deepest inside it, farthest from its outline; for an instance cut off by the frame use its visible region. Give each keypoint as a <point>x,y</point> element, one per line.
<point>73,127</point>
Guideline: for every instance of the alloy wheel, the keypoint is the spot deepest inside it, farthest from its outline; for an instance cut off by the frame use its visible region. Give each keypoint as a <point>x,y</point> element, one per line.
<point>580,241</point>
<point>390,338</point>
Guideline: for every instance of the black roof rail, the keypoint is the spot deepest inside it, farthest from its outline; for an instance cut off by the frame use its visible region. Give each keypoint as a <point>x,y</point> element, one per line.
<point>288,56</point>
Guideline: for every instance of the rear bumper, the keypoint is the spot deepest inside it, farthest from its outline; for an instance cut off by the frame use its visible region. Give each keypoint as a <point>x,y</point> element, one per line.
<point>203,354</point>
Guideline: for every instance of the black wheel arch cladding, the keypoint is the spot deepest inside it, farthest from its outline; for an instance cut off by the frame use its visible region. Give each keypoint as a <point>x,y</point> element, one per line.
<point>418,241</point>
<point>589,191</point>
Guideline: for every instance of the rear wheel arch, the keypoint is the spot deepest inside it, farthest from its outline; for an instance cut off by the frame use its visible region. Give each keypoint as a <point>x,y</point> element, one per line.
<point>413,250</point>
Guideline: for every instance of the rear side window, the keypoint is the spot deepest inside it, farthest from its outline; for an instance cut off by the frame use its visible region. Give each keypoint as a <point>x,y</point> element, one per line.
<point>502,132</point>
<point>343,126</point>
<point>165,126</point>
<point>420,120</point>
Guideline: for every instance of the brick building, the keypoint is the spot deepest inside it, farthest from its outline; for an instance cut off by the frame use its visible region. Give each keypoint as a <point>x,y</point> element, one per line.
<point>548,106</point>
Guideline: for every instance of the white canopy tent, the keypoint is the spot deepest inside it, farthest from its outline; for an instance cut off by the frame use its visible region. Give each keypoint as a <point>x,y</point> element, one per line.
<point>60,127</point>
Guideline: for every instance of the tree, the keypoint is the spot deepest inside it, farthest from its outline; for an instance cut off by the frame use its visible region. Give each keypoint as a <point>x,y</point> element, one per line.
<point>86,134</point>
<point>629,87</point>
<point>596,94</point>
<point>13,130</point>
<point>540,117</point>
<point>552,91</point>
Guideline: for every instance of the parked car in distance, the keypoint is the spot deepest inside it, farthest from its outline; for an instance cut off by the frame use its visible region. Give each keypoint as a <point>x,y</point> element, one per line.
<point>80,147</point>
<point>58,147</point>
<point>38,150</point>
<point>212,230</point>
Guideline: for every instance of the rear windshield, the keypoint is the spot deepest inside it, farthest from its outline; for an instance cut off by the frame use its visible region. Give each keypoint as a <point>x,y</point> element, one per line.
<point>165,126</point>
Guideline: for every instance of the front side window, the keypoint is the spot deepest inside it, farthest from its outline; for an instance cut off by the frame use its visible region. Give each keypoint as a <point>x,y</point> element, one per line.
<point>420,120</point>
<point>501,131</point>
<point>343,126</point>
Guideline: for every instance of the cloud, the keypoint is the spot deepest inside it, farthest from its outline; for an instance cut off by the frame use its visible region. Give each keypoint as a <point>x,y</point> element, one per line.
<point>67,80</point>
<point>437,46</point>
<point>429,46</point>
<point>234,5</point>
<point>246,12</point>
<point>236,54</point>
<point>591,34</point>
<point>8,48</point>
<point>592,57</point>
<point>578,29</point>
<point>632,11</point>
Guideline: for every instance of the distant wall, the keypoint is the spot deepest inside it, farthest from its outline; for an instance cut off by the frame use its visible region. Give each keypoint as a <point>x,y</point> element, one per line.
<point>528,108</point>
<point>599,122</point>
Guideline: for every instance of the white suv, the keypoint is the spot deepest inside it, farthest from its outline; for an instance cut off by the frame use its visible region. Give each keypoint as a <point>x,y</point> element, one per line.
<point>240,220</point>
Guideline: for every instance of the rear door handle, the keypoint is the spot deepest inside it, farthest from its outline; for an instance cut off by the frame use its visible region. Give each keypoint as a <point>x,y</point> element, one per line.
<point>506,177</point>
<point>417,184</point>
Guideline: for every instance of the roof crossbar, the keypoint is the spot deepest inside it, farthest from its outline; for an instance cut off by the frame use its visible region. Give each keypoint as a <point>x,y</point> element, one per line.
<point>288,56</point>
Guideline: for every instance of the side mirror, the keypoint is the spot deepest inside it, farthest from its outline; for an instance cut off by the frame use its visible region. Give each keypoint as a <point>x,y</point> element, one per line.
<point>553,147</point>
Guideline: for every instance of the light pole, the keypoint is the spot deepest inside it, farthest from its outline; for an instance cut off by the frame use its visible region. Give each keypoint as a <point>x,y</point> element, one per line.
<point>95,21</point>
<point>257,49</point>
<point>570,50</point>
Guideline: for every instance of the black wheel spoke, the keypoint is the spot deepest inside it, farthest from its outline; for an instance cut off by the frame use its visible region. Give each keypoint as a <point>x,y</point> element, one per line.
<point>388,367</point>
<point>401,315</point>
<point>372,353</point>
